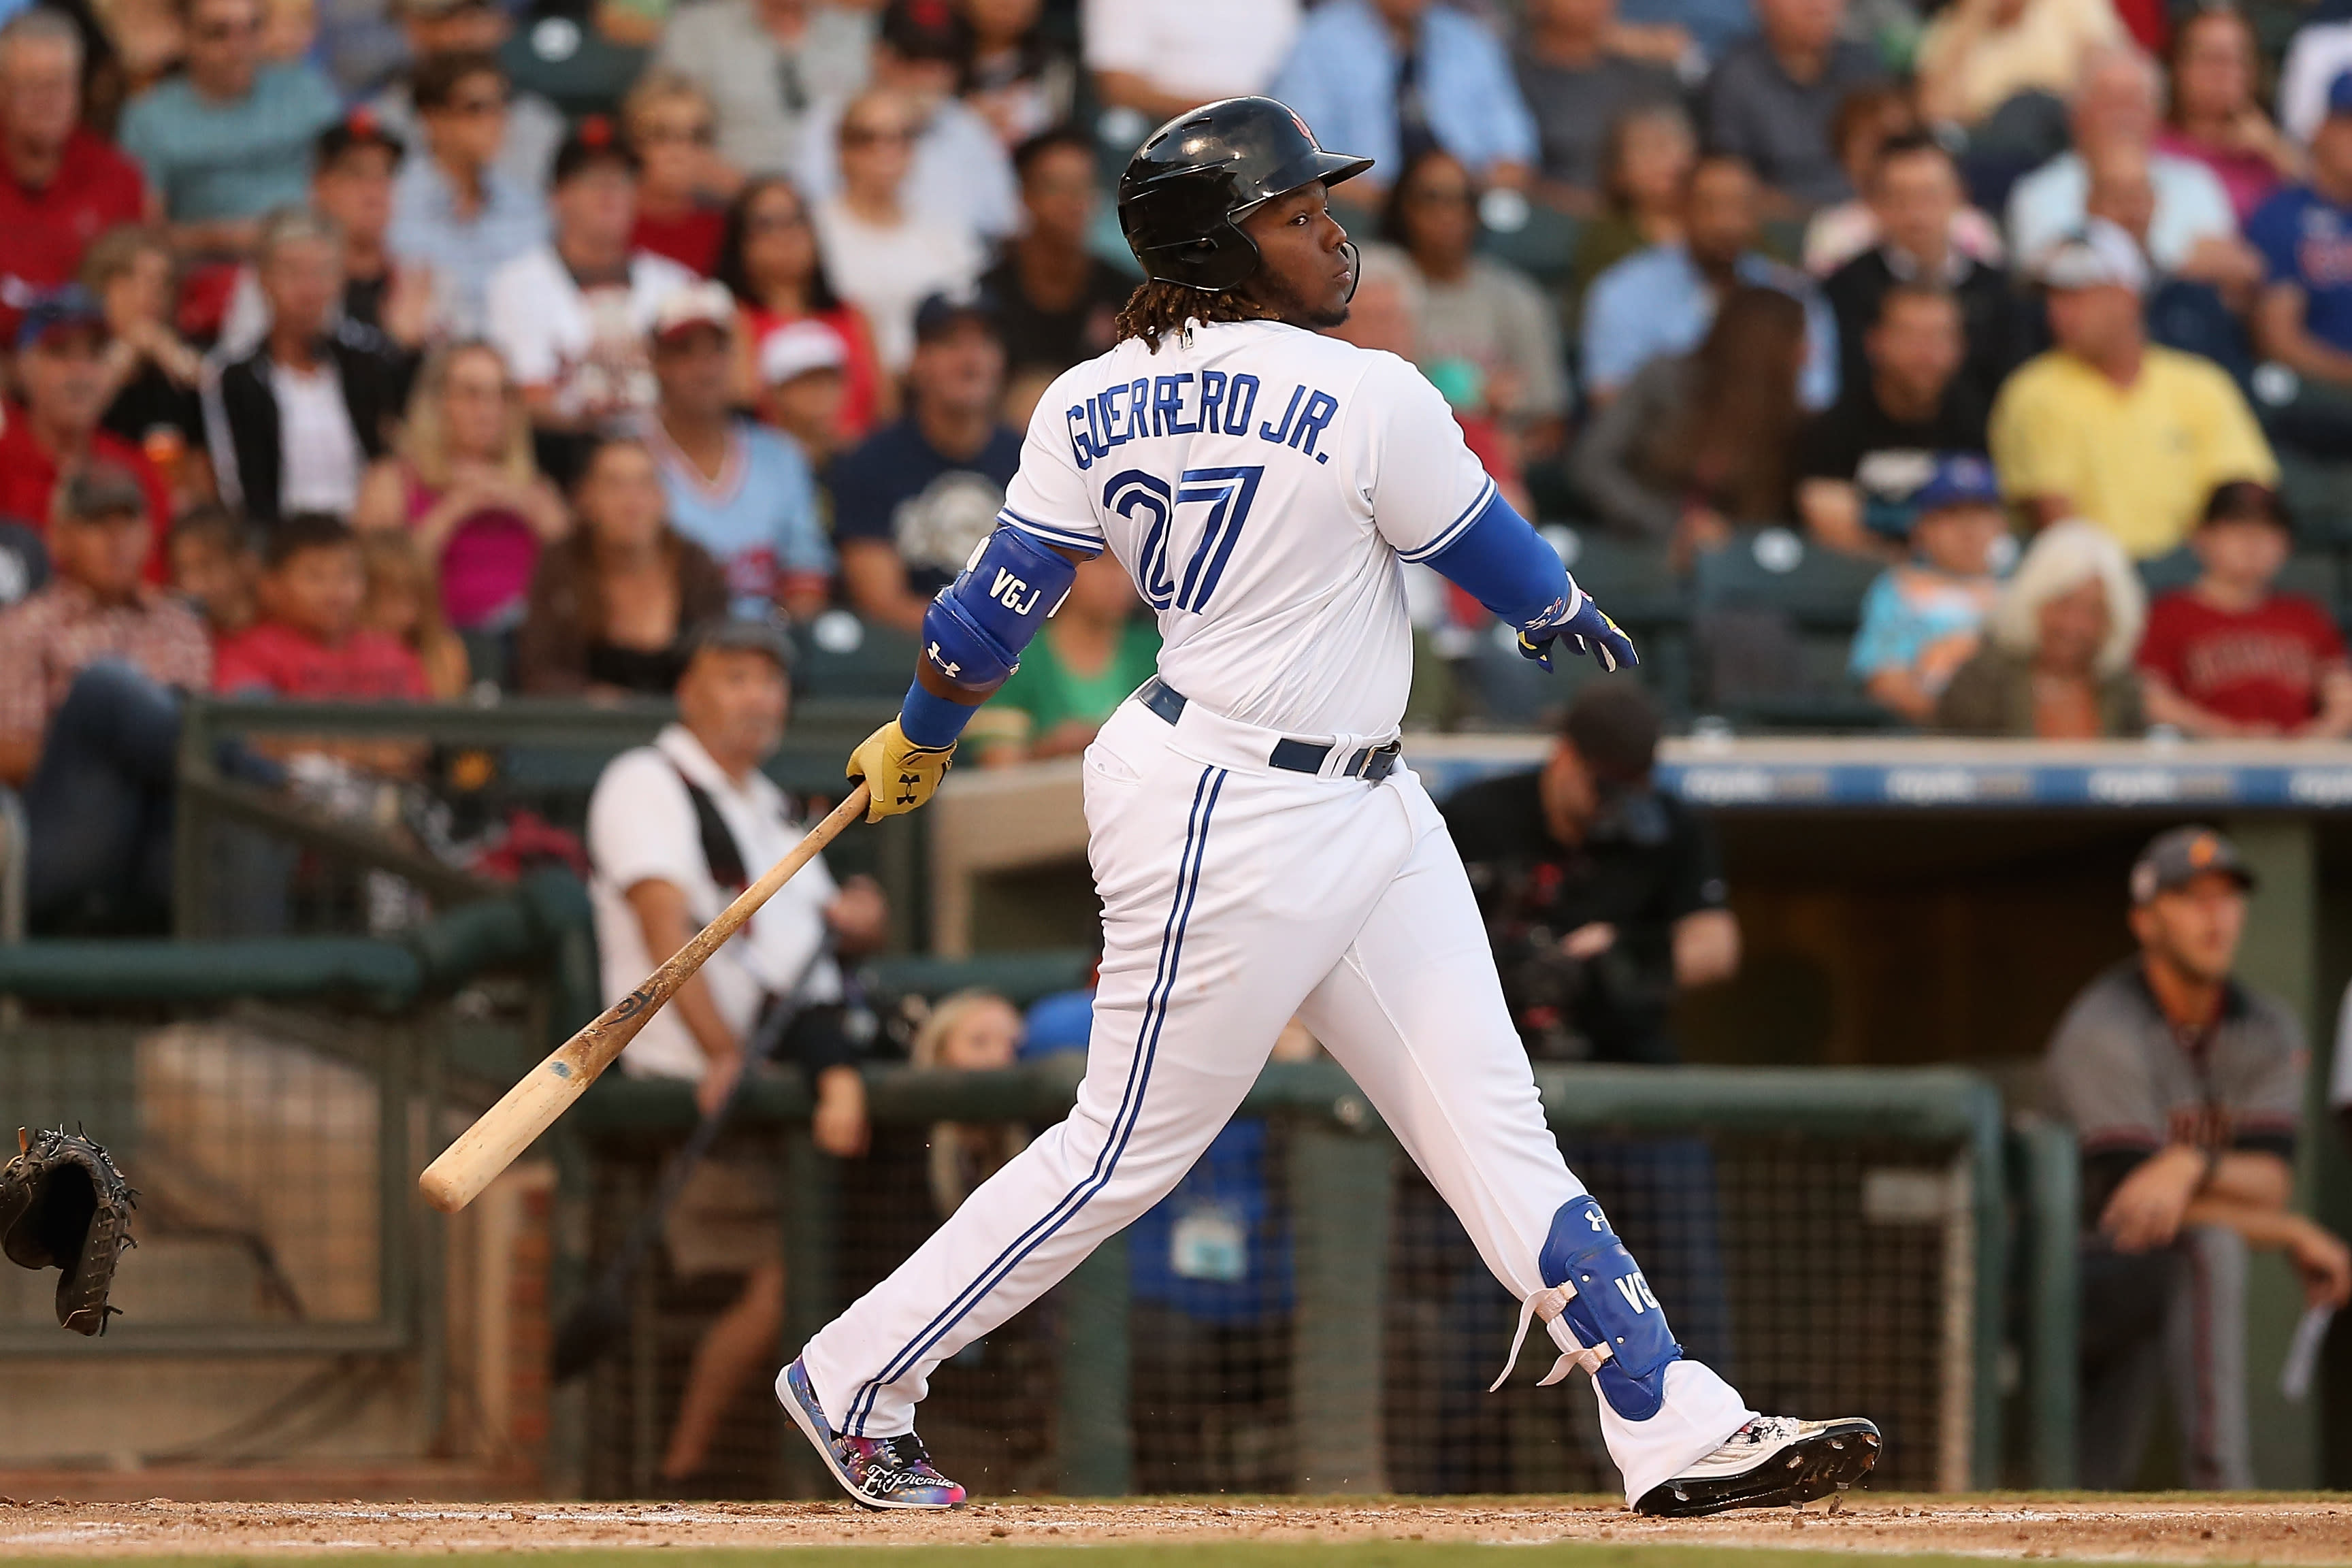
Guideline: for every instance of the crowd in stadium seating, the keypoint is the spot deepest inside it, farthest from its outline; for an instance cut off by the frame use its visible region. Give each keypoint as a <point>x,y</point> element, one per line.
<point>588,320</point>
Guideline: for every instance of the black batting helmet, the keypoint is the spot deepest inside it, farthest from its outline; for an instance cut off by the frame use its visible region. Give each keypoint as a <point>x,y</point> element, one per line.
<point>1187,187</point>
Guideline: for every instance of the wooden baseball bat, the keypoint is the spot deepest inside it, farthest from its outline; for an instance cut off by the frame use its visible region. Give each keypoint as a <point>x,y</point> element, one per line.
<point>547,1092</point>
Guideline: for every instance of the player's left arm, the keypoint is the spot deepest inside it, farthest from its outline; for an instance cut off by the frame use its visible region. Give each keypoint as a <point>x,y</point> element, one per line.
<point>1434,504</point>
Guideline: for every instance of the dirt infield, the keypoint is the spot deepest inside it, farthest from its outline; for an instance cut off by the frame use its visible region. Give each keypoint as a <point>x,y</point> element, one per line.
<point>2304,1529</point>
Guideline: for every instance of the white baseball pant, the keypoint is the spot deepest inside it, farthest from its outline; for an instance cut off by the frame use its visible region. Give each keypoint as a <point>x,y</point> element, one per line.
<point>1235,895</point>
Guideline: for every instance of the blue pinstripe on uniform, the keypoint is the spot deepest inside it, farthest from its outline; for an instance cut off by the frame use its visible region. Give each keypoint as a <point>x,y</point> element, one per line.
<point>1123,1121</point>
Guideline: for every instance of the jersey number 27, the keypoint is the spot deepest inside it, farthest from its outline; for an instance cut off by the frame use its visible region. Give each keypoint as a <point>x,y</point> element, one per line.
<point>1226,492</point>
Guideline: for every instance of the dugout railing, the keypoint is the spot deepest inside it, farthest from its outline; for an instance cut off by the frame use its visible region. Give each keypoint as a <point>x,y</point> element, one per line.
<point>1846,1239</point>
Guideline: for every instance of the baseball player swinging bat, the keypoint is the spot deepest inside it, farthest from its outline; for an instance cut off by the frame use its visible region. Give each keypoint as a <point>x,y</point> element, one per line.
<point>1261,849</point>
<point>547,1092</point>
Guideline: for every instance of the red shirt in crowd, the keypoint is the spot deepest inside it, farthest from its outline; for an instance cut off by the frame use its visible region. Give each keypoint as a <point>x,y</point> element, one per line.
<point>2259,665</point>
<point>272,656</point>
<point>690,240</point>
<point>44,232</point>
<point>28,476</point>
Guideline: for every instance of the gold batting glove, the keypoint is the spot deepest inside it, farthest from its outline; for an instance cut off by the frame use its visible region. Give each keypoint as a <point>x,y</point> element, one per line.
<point>900,774</point>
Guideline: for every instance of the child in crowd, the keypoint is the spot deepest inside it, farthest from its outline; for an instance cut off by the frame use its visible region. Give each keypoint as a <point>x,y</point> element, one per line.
<point>402,604</point>
<point>2227,657</point>
<point>309,642</point>
<point>1922,621</point>
<point>805,388</point>
<point>214,568</point>
<point>971,1031</point>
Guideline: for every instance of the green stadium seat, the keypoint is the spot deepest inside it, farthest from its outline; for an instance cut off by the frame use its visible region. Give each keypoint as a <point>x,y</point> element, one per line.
<point>2318,497</point>
<point>1020,977</point>
<point>1773,622</point>
<point>1541,247</point>
<point>841,656</point>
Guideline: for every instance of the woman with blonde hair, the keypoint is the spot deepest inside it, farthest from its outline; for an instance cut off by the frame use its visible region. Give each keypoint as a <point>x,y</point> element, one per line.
<point>464,487</point>
<point>683,184</point>
<point>2057,659</point>
<point>971,1031</point>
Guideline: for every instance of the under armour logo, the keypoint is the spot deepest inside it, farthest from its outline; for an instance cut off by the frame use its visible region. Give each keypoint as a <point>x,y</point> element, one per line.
<point>947,667</point>
<point>1592,1218</point>
<point>907,782</point>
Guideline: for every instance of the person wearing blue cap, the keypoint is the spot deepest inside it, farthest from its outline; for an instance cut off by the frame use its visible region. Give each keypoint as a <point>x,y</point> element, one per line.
<point>1922,620</point>
<point>2304,319</point>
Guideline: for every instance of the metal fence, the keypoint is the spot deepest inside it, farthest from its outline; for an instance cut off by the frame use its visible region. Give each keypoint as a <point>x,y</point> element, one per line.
<point>1304,1315</point>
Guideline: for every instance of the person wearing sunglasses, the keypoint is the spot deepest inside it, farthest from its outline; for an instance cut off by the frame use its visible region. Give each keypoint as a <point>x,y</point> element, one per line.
<point>456,209</point>
<point>683,183</point>
<point>230,138</point>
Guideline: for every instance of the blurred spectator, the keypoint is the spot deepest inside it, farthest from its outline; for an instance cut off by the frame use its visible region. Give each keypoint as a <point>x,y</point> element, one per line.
<point>674,831</point>
<point>2320,51</point>
<point>531,127</point>
<point>2185,1087</point>
<point>2214,116</point>
<point>1867,119</point>
<point>804,391</point>
<point>570,316</point>
<point>1645,167</point>
<point>1996,67</point>
<point>769,258</point>
<point>1090,657</point>
<point>230,140</point>
<point>1770,100</point>
<point>401,603</point>
<point>912,501</point>
<point>1660,300</point>
<point>2110,428</point>
<point>970,1031</point>
<point>2199,316</point>
<point>684,186</point>
<point>455,210</point>
<point>2304,319</point>
<point>1158,59</point>
<point>739,489</point>
<point>2056,664</point>
<point>353,179</point>
<point>462,485</point>
<point>1603,895</point>
<point>1922,619</point>
<point>60,185</point>
<point>293,425</point>
<point>884,253</point>
<point>1578,82</point>
<point>1473,309</point>
<point>1859,461</point>
<point>214,568</point>
<point>1916,195</point>
<point>1056,300</point>
<point>1392,79</point>
<point>1701,442</point>
<point>1016,76</point>
<point>764,63</point>
<point>957,173</point>
<point>309,643</point>
<point>2114,108</point>
<point>2228,656</point>
<point>153,376</point>
<point>91,666</point>
<point>61,376</point>
<point>612,603</point>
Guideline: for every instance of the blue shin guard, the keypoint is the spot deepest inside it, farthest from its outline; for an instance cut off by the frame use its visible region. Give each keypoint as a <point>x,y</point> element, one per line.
<point>1597,1298</point>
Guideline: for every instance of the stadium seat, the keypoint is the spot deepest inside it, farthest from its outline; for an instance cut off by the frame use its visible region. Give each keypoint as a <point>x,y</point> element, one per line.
<point>841,656</point>
<point>1773,621</point>
<point>1540,248</point>
<point>1633,580</point>
<point>2318,497</point>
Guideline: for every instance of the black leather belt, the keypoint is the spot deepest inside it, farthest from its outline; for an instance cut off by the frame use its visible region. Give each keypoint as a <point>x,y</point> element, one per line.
<point>1370,764</point>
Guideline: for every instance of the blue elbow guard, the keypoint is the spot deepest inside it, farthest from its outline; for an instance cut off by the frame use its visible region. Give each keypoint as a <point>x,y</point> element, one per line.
<point>975,629</point>
<point>1612,1306</point>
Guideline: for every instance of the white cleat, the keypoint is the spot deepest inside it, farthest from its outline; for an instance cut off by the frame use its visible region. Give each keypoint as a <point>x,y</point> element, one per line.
<point>1774,1461</point>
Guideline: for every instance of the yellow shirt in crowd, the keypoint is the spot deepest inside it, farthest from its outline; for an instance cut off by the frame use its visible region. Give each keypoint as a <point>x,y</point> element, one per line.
<point>2137,460</point>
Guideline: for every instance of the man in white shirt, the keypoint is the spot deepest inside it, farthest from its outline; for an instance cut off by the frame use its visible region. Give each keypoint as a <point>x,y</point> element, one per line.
<point>674,831</point>
<point>1158,59</point>
<point>571,316</point>
<point>960,175</point>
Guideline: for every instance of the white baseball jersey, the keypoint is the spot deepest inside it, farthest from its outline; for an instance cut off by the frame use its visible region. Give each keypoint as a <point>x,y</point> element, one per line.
<point>1261,484</point>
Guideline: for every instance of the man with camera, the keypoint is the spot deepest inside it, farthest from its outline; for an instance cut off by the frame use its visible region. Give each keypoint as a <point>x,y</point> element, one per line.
<point>1602,897</point>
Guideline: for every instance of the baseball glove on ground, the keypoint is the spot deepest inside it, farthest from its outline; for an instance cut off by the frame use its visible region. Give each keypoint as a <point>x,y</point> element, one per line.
<point>63,1204</point>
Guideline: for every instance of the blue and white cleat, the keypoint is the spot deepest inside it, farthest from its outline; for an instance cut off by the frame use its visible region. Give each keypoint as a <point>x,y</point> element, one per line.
<point>878,1472</point>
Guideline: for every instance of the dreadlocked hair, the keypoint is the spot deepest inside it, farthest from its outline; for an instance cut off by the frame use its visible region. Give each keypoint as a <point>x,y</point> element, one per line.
<point>1158,308</point>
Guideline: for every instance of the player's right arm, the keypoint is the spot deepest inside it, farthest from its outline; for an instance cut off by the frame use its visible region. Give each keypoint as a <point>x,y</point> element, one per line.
<point>1434,504</point>
<point>975,628</point>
